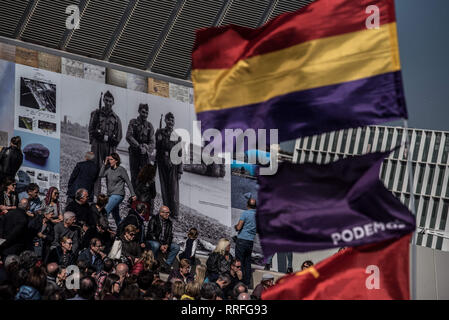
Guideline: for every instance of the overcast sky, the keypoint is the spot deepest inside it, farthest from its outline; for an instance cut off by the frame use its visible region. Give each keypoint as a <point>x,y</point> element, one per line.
<point>423,32</point>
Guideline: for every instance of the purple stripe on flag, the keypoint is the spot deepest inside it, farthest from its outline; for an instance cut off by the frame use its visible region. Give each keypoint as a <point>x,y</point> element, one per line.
<point>352,104</point>
<point>307,207</point>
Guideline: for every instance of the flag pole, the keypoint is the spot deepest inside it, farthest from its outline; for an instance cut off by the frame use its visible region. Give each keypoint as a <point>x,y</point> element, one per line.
<point>412,202</point>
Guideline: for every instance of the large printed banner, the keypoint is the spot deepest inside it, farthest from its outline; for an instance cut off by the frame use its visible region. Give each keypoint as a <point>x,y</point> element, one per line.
<point>52,112</point>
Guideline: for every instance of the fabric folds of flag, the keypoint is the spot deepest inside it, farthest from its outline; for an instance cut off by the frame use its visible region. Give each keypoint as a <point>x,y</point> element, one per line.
<point>372,272</point>
<point>315,70</point>
<point>309,206</point>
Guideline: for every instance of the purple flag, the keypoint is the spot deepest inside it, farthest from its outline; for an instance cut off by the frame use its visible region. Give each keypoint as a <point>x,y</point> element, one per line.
<point>307,207</point>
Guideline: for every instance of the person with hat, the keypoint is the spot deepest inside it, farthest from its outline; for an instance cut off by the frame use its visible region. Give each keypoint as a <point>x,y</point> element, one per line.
<point>266,282</point>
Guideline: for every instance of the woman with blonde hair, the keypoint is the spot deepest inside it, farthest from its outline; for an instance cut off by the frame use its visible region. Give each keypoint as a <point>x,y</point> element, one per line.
<point>219,261</point>
<point>146,262</point>
<point>178,289</point>
<point>200,273</point>
<point>192,291</point>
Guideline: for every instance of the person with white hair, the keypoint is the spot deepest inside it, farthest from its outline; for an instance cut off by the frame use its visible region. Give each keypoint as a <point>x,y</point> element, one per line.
<point>67,228</point>
<point>83,176</point>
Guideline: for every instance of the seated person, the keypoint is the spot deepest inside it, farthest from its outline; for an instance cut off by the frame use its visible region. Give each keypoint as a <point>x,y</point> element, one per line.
<point>160,237</point>
<point>182,273</point>
<point>81,208</point>
<point>93,255</point>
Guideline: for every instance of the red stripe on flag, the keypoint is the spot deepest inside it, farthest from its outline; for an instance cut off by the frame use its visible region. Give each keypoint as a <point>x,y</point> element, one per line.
<point>222,47</point>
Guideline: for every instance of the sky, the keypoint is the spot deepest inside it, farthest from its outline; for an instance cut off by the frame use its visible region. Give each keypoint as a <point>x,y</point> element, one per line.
<point>423,34</point>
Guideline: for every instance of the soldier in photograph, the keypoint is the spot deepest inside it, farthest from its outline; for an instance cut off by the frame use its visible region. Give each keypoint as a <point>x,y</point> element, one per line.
<point>105,132</point>
<point>140,136</point>
<point>169,174</point>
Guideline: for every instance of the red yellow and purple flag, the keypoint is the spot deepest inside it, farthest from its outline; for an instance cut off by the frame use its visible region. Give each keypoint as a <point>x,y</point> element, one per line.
<point>315,70</point>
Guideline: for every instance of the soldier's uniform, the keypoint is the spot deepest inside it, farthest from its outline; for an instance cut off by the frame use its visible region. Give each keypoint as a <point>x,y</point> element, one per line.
<point>105,133</point>
<point>168,172</point>
<point>140,136</point>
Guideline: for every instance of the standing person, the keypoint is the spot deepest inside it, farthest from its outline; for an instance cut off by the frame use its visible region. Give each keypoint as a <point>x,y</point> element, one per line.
<point>160,236</point>
<point>52,201</point>
<point>83,176</point>
<point>8,198</point>
<point>105,132</point>
<point>246,228</point>
<point>169,174</point>
<point>13,228</point>
<point>146,188</point>
<point>11,158</point>
<point>116,178</point>
<point>140,136</point>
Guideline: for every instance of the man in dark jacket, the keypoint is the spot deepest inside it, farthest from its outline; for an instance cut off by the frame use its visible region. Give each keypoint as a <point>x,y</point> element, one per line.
<point>13,228</point>
<point>83,176</point>
<point>11,159</point>
<point>93,255</point>
<point>160,236</point>
<point>81,208</point>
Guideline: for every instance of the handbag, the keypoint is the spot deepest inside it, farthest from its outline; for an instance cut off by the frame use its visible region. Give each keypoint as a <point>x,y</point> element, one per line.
<point>116,250</point>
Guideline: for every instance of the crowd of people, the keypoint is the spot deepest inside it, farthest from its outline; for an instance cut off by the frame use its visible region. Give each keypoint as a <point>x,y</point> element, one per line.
<point>52,253</point>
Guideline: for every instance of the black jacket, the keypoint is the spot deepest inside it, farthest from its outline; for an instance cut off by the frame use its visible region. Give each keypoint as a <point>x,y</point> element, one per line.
<point>155,229</point>
<point>11,159</point>
<point>87,256</point>
<point>91,233</point>
<point>84,176</point>
<point>57,255</point>
<point>13,228</point>
<point>131,248</point>
<point>216,265</point>
<point>135,219</point>
<point>83,212</point>
<point>35,226</point>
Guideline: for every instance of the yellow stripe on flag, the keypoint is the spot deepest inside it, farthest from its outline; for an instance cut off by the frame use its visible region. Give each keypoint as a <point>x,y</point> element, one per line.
<point>313,64</point>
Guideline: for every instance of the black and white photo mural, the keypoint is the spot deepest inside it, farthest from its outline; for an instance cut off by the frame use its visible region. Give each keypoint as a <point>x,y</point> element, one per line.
<point>138,126</point>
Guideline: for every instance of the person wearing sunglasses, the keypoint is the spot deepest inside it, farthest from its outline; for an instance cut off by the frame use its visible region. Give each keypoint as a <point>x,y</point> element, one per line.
<point>63,254</point>
<point>131,248</point>
<point>52,200</point>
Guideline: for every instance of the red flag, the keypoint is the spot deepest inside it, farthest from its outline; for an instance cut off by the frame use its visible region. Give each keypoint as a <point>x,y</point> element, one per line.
<point>372,272</point>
